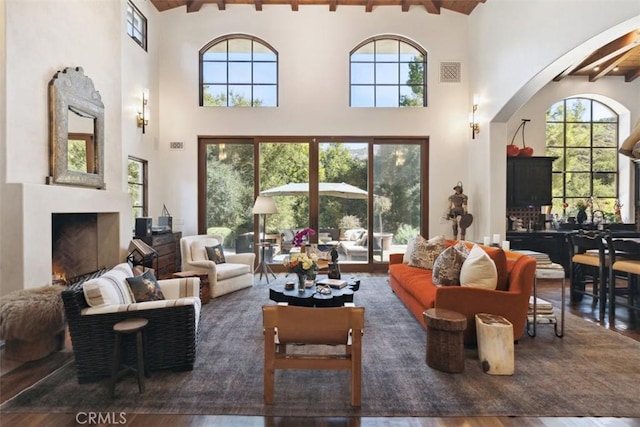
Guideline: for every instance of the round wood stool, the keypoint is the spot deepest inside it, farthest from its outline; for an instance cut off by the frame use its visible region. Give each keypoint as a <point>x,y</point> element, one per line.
<point>445,339</point>
<point>127,327</point>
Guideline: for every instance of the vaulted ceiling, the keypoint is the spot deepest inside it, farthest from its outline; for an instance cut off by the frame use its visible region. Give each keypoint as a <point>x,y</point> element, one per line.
<point>620,57</point>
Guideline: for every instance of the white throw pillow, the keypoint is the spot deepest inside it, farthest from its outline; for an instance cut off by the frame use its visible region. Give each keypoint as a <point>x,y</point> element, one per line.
<point>110,288</point>
<point>407,254</point>
<point>479,270</point>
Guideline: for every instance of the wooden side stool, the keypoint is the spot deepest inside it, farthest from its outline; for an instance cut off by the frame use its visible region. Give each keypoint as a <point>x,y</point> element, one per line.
<point>445,339</point>
<point>495,344</point>
<point>127,327</point>
<point>205,292</point>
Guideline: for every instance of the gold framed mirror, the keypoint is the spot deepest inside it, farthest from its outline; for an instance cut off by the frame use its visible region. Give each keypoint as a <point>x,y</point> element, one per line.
<point>76,120</point>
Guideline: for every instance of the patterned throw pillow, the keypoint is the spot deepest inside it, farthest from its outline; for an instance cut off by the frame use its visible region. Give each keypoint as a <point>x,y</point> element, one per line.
<point>145,287</point>
<point>479,270</point>
<point>426,251</point>
<point>446,268</point>
<point>216,254</point>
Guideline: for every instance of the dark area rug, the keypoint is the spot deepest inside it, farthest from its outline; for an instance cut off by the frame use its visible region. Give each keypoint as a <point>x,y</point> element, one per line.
<point>590,372</point>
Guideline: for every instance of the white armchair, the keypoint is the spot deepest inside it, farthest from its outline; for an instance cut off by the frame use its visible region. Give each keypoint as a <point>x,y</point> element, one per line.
<point>236,273</point>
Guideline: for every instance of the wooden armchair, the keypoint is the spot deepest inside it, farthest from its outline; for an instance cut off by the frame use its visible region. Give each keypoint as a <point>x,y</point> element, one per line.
<point>306,325</point>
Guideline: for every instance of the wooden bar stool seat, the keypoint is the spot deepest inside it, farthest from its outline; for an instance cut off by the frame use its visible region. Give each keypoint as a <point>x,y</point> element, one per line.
<point>122,329</point>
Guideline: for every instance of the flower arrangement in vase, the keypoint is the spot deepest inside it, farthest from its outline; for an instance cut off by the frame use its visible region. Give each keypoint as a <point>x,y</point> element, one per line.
<point>303,265</point>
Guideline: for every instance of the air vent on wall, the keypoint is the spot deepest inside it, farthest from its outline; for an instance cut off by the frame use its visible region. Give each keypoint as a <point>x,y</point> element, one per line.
<point>179,145</point>
<point>449,72</point>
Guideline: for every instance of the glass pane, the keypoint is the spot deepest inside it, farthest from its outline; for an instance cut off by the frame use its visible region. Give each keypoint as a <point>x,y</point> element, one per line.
<point>604,159</point>
<point>605,135</point>
<point>578,184</point>
<point>411,96</point>
<point>412,73</point>
<point>557,185</point>
<point>240,72</point>
<point>365,53</point>
<point>578,135</point>
<point>387,74</point>
<point>229,195</point>
<point>214,96</point>
<point>265,96</point>
<point>559,162</point>
<point>265,72</point>
<point>214,72</point>
<point>387,50</point>
<point>386,96</point>
<point>362,96</point>
<point>262,53</point>
<point>239,96</point>
<point>555,134</point>
<point>578,159</point>
<point>578,110</point>
<point>397,207</point>
<point>602,113</point>
<point>292,204</point>
<point>604,185</point>
<point>239,49</point>
<point>408,52</point>
<point>343,213</point>
<point>77,155</point>
<point>217,52</point>
<point>362,73</point>
<point>556,112</point>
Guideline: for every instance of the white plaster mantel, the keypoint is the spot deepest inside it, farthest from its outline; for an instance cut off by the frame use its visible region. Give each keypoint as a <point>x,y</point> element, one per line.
<point>26,246</point>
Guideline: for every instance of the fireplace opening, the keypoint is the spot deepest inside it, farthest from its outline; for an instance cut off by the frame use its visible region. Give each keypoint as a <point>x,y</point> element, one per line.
<point>82,243</point>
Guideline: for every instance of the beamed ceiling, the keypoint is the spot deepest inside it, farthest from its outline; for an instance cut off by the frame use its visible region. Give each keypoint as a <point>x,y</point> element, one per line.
<point>620,57</point>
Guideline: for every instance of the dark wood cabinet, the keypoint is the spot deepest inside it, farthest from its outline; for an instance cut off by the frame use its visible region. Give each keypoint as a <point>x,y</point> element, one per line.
<point>529,181</point>
<point>168,247</point>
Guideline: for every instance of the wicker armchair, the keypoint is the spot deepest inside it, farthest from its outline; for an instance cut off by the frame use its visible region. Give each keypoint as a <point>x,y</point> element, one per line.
<point>171,335</point>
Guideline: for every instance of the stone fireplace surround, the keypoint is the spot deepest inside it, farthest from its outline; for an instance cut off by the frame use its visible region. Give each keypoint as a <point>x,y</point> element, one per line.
<point>28,210</point>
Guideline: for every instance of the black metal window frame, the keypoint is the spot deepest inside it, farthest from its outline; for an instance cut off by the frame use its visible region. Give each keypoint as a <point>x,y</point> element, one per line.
<point>252,84</point>
<point>400,40</point>
<point>566,150</point>
<point>137,25</point>
<point>142,185</point>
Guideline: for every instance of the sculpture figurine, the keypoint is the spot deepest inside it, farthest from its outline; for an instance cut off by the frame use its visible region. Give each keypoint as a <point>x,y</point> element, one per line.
<point>334,270</point>
<point>460,218</point>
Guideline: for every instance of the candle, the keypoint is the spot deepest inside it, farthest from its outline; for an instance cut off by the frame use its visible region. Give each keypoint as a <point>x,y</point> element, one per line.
<point>486,241</point>
<point>496,239</point>
<point>506,245</point>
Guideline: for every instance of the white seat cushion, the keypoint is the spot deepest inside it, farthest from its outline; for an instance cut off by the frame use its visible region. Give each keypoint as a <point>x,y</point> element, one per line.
<point>229,270</point>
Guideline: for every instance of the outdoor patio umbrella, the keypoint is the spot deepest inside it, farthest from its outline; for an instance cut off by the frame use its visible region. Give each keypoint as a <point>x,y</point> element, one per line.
<point>336,189</point>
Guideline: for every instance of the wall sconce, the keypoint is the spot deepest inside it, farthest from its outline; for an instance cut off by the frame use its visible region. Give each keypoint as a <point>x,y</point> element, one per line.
<point>143,116</point>
<point>475,127</point>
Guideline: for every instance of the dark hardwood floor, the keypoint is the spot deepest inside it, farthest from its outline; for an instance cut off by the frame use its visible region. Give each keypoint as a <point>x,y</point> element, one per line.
<point>27,374</point>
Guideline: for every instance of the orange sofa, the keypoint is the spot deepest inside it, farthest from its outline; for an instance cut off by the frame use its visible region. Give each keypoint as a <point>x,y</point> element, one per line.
<point>516,272</point>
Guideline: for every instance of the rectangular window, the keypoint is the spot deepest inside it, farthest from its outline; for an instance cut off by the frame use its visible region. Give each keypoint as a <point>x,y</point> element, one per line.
<point>137,25</point>
<point>138,186</point>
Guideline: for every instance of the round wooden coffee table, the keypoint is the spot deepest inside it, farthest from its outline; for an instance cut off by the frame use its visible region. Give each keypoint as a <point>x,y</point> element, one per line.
<point>312,298</point>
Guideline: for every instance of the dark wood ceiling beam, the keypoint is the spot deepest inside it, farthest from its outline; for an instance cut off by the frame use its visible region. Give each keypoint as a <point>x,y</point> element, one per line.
<point>194,5</point>
<point>258,4</point>
<point>405,5</point>
<point>369,6</point>
<point>604,68</point>
<point>333,5</point>
<point>221,4</point>
<point>432,6</point>
<point>294,5</point>
<point>631,76</point>
<point>611,50</point>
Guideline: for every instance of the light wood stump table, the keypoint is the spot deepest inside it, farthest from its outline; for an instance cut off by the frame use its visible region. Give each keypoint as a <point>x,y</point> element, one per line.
<point>495,344</point>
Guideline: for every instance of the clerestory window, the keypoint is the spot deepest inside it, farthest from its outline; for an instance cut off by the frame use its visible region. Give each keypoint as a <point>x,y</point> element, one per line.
<point>388,71</point>
<point>137,25</point>
<point>238,71</point>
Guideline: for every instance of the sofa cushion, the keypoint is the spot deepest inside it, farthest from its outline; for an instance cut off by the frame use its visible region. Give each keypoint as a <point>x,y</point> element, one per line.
<point>198,251</point>
<point>478,270</point>
<point>216,254</point>
<point>229,270</point>
<point>499,258</point>
<point>407,253</point>
<point>446,268</point>
<point>416,281</point>
<point>426,251</point>
<point>110,288</point>
<point>145,287</point>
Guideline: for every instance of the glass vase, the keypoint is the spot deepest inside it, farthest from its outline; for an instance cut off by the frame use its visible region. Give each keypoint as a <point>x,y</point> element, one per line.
<point>301,279</point>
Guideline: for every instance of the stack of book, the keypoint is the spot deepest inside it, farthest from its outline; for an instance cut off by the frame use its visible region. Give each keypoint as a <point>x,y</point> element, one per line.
<point>542,259</point>
<point>544,311</point>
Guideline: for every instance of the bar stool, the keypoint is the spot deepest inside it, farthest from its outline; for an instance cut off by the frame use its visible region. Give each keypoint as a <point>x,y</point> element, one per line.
<point>128,327</point>
<point>624,261</point>
<point>588,267</point>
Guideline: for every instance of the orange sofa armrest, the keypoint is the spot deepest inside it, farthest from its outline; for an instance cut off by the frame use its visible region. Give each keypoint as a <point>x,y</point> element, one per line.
<point>395,258</point>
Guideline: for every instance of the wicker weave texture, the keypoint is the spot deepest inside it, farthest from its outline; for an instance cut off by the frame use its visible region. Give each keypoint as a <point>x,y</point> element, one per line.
<point>171,337</point>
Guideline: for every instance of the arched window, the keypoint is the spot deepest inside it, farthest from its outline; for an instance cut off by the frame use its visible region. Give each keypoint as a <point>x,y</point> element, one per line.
<point>388,71</point>
<point>238,71</point>
<point>583,134</point>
